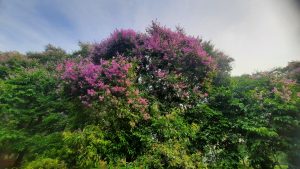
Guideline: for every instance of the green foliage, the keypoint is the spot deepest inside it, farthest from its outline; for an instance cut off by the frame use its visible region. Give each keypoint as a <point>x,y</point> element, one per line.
<point>50,57</point>
<point>223,64</point>
<point>84,149</point>
<point>12,63</point>
<point>31,112</point>
<point>157,100</point>
<point>45,163</point>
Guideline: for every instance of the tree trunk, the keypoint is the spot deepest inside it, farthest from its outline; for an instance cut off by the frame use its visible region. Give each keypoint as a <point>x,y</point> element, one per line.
<point>19,159</point>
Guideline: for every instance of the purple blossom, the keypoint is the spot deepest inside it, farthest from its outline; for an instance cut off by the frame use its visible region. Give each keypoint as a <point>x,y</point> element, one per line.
<point>161,73</point>
<point>161,53</point>
<point>117,40</point>
<point>118,89</point>
<point>91,92</point>
<point>143,101</point>
<point>69,72</point>
<point>101,98</point>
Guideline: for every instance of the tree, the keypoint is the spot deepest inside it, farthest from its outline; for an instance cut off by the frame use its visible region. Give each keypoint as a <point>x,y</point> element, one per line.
<point>30,111</point>
<point>159,99</point>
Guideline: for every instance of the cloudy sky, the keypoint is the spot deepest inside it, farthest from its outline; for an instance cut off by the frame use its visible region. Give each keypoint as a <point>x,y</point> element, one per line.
<point>258,34</point>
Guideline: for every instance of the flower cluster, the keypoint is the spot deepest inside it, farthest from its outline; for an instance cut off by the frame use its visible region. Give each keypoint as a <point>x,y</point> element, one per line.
<point>166,59</point>
<point>109,79</point>
<point>175,46</point>
<point>89,80</point>
<point>170,66</point>
<point>120,42</point>
<point>281,86</point>
<point>283,89</point>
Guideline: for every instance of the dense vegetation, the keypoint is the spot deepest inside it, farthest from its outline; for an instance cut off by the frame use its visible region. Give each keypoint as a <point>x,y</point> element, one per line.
<point>160,99</point>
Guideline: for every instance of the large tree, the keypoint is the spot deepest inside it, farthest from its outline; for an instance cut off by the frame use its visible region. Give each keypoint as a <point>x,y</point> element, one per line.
<point>159,99</point>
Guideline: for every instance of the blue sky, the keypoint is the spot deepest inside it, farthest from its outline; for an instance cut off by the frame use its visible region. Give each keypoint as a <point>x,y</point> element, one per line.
<point>258,34</point>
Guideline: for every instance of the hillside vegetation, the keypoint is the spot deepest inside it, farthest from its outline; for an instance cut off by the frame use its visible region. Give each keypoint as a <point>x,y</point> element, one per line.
<point>159,99</point>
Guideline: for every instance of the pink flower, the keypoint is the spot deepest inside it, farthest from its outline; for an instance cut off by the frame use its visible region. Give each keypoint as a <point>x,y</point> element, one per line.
<point>289,81</point>
<point>86,103</point>
<point>118,89</point>
<point>101,98</point>
<point>91,92</point>
<point>69,72</point>
<point>161,73</point>
<point>126,67</point>
<point>108,92</point>
<point>120,80</point>
<point>127,82</point>
<point>129,101</point>
<point>165,57</point>
<point>100,85</point>
<point>146,116</point>
<point>275,90</point>
<point>136,92</point>
<point>59,67</point>
<point>143,101</point>
<point>117,69</point>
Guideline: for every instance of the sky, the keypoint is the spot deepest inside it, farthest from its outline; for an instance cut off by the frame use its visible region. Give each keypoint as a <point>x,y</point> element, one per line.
<point>258,34</point>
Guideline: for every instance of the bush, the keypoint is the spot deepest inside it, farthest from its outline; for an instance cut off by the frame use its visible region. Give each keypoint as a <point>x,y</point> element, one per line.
<point>45,163</point>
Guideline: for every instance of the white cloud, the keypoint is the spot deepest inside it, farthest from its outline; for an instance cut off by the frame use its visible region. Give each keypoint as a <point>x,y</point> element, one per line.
<point>258,34</point>
<point>24,30</point>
